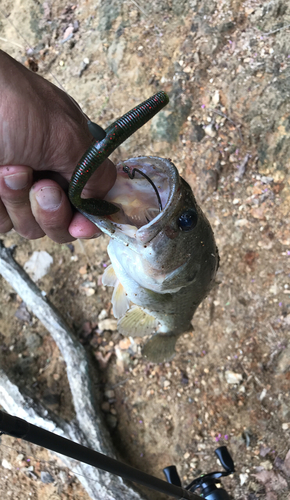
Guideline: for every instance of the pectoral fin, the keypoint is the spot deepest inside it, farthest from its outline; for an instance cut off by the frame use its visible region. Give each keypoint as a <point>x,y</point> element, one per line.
<point>137,323</point>
<point>109,277</point>
<point>160,348</point>
<point>120,300</point>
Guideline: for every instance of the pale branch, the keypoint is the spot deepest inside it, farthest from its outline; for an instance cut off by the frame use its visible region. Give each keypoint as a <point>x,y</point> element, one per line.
<point>89,428</point>
<point>97,483</point>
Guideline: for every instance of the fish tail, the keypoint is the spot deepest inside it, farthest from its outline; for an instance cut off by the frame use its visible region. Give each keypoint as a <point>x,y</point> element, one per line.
<point>161,347</point>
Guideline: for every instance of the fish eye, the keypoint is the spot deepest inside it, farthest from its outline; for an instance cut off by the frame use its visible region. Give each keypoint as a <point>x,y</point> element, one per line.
<point>187,220</point>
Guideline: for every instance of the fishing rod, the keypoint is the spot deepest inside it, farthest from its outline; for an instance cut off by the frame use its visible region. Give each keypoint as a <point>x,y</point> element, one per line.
<point>19,428</point>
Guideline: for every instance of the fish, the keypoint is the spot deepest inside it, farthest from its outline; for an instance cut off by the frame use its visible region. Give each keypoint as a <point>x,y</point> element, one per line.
<point>163,254</point>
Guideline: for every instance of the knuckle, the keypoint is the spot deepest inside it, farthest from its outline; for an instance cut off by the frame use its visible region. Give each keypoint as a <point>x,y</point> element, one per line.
<point>31,233</point>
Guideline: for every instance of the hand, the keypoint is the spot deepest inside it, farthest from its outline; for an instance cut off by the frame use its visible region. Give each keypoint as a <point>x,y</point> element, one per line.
<point>43,135</point>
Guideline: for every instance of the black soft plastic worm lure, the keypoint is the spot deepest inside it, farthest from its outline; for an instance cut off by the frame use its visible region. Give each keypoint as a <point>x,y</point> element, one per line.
<point>116,134</point>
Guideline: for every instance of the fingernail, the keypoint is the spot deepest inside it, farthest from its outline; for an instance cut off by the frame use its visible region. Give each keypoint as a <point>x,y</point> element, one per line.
<point>49,198</point>
<point>16,181</point>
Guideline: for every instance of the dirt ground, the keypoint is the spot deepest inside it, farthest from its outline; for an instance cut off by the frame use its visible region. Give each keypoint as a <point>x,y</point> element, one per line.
<point>225,65</point>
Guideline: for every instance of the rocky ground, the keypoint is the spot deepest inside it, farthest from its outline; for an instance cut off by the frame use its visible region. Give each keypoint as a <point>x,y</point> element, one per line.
<point>226,67</point>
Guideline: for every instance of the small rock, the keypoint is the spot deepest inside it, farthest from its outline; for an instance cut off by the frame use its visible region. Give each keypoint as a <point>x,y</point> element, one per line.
<point>264,450</point>
<point>233,378</point>
<point>266,465</point>
<point>110,394</point>
<point>88,291</point>
<point>243,478</point>
<point>33,341</point>
<point>286,465</point>
<point>283,364</point>
<point>125,343</point>
<point>210,130</point>
<point>22,313</point>
<point>103,314</point>
<point>123,359</point>
<point>38,265</point>
<point>108,324</point>
<point>215,98</point>
<point>266,180</point>
<point>83,270</point>
<point>63,476</point>
<point>6,464</point>
<point>68,33</point>
<point>285,426</point>
<point>46,477</point>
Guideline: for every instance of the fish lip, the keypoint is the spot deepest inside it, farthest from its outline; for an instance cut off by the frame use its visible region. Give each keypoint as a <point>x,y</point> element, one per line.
<point>147,232</point>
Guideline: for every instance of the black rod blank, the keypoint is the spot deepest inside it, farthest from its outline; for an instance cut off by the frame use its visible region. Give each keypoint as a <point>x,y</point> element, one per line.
<point>19,428</point>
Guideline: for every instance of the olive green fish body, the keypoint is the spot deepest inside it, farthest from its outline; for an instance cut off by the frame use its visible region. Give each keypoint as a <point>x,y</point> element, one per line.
<point>163,262</point>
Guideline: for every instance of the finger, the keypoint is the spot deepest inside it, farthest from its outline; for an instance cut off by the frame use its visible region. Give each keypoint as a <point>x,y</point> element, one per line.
<point>52,210</point>
<point>15,183</point>
<point>5,221</point>
<point>80,227</point>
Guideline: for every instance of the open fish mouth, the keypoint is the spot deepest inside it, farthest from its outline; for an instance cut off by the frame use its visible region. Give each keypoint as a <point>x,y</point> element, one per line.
<point>138,201</point>
<point>143,201</point>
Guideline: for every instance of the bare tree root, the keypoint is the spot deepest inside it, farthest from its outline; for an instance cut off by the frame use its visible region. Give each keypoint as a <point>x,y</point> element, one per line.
<point>89,428</point>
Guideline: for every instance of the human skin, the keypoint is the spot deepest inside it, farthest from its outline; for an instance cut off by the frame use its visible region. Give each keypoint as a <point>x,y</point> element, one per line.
<point>43,134</point>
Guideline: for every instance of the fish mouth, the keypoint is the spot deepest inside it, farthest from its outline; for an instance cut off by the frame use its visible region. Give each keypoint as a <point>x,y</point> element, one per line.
<point>144,205</point>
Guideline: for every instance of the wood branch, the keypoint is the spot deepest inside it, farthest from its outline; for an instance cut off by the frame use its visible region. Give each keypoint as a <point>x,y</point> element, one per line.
<point>89,428</point>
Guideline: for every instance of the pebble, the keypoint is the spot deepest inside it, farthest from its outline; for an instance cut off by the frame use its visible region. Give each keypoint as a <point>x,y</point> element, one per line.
<point>233,378</point>
<point>88,291</point>
<point>83,270</point>
<point>266,465</point>
<point>38,265</point>
<point>283,364</point>
<point>110,394</point>
<point>6,464</point>
<point>62,475</point>
<point>243,478</point>
<point>209,130</point>
<point>108,324</point>
<point>103,314</point>
<point>215,98</point>
<point>46,477</point>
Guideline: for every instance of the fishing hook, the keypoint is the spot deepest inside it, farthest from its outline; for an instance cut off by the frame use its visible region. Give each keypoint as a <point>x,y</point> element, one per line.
<point>131,175</point>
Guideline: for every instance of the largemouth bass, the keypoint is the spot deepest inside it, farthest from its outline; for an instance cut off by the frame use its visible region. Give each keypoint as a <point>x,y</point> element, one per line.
<point>163,254</point>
